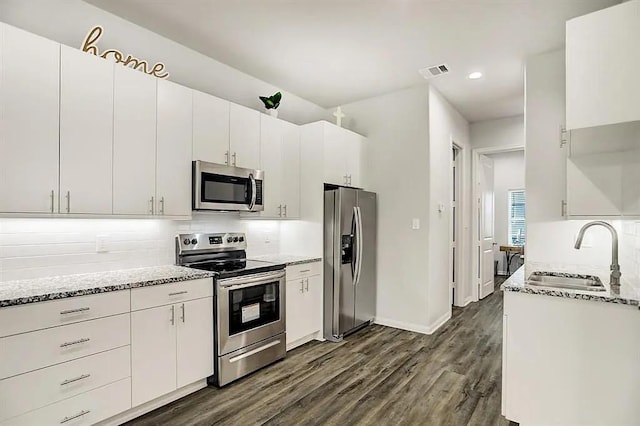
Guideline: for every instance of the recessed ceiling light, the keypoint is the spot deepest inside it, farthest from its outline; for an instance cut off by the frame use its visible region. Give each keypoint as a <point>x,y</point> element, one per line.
<point>475,75</point>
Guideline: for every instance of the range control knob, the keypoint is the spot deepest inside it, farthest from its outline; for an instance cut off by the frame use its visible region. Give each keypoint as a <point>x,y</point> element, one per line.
<point>229,240</point>
<point>194,241</point>
<point>241,239</point>
<point>235,239</point>
<point>186,241</point>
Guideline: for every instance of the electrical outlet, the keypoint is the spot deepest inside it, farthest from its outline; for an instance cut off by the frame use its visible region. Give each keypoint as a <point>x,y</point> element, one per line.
<point>102,243</point>
<point>415,223</point>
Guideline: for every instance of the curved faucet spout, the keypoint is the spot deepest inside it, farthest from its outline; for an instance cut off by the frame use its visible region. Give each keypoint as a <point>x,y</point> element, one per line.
<point>615,267</point>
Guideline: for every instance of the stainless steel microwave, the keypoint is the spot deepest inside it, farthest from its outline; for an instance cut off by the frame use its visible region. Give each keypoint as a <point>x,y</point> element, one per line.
<point>227,188</point>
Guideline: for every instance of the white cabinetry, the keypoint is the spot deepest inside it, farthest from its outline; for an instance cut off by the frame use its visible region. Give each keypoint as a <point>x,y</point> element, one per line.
<point>602,61</point>
<point>577,374</point>
<point>304,304</point>
<point>174,150</point>
<point>86,132</point>
<point>210,128</point>
<point>244,137</point>
<point>172,344</point>
<point>134,142</point>
<point>29,119</point>
<point>280,160</point>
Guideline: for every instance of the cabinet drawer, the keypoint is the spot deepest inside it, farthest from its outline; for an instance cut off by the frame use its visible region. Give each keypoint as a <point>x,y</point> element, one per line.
<point>304,270</point>
<point>85,409</point>
<point>62,381</point>
<point>39,315</point>
<point>29,351</point>
<point>165,294</point>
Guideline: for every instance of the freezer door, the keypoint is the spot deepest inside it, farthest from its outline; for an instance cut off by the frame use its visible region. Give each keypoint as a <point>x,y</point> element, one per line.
<point>365,288</point>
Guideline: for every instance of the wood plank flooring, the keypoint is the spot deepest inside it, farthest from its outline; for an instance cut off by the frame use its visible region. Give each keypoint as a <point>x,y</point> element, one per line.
<point>378,376</point>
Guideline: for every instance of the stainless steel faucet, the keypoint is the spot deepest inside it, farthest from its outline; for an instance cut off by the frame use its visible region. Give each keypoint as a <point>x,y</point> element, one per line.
<point>615,267</point>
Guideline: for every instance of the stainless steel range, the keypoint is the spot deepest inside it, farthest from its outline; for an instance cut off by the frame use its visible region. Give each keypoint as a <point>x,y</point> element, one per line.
<point>249,303</point>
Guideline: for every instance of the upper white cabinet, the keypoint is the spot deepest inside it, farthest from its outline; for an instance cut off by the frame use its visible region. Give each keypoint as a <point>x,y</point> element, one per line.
<point>29,118</point>
<point>86,132</point>
<point>210,128</point>
<point>134,142</point>
<point>291,173</point>
<point>602,65</point>
<point>174,149</point>
<point>244,137</point>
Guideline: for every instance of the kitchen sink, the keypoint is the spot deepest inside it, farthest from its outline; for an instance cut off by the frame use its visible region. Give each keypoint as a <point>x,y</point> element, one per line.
<point>568,281</point>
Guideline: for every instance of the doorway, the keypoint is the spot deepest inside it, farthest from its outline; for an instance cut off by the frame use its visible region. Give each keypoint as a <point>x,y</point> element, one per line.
<point>499,216</point>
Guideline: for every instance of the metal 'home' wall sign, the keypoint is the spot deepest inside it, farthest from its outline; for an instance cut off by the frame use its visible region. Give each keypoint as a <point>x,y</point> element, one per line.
<point>89,46</point>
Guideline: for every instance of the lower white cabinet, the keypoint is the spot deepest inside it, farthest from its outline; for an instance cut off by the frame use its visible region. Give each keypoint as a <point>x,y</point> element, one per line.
<point>304,306</point>
<point>171,346</point>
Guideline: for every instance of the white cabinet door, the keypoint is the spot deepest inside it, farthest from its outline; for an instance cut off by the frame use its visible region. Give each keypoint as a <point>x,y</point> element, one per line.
<point>602,58</point>
<point>134,142</point>
<point>335,163</point>
<point>313,302</point>
<point>291,169</point>
<point>271,163</point>
<point>153,353</point>
<point>86,132</point>
<point>195,340</point>
<point>295,310</point>
<point>29,96</point>
<point>174,146</point>
<point>210,128</point>
<point>353,147</point>
<point>244,136</point>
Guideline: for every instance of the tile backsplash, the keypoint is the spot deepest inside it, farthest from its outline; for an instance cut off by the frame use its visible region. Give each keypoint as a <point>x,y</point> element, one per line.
<point>629,256</point>
<point>32,248</point>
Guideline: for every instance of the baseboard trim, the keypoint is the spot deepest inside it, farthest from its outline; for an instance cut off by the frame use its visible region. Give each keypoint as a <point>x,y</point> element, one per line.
<point>147,407</point>
<point>402,325</point>
<point>466,302</point>
<point>439,322</point>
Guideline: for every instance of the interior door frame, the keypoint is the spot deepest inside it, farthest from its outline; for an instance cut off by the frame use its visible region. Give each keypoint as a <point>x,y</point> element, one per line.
<point>475,167</point>
<point>457,263</point>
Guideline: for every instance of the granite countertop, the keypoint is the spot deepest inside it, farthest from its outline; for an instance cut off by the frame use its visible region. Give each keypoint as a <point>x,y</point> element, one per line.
<point>21,292</point>
<point>627,294</point>
<point>287,259</point>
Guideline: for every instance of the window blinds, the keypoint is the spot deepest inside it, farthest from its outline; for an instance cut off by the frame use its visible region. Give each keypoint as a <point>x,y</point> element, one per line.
<point>517,222</point>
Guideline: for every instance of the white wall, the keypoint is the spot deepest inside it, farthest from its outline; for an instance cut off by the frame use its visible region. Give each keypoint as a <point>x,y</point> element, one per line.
<point>446,125</point>
<point>397,127</point>
<point>68,22</point>
<point>503,132</point>
<point>508,170</point>
<point>32,248</point>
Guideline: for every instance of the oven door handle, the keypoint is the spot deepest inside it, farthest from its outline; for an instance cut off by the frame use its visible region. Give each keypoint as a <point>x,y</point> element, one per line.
<point>254,189</point>
<point>246,281</point>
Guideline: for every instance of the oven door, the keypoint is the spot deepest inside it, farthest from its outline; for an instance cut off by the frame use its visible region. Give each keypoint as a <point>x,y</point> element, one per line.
<point>220,187</point>
<point>249,309</point>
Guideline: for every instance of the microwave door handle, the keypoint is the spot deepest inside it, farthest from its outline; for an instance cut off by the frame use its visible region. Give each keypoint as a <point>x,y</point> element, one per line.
<point>253,191</point>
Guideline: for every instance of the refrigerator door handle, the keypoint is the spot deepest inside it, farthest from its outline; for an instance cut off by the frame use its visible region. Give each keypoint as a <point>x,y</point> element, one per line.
<point>354,236</point>
<point>359,243</point>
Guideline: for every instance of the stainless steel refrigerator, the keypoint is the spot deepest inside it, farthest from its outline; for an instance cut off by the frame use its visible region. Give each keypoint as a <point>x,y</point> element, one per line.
<point>349,261</point>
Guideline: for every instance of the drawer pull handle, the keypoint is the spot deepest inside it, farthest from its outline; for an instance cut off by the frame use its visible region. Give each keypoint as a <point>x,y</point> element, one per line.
<point>75,342</point>
<point>178,293</point>
<point>305,270</point>
<point>68,381</point>
<point>74,311</point>
<point>75,416</point>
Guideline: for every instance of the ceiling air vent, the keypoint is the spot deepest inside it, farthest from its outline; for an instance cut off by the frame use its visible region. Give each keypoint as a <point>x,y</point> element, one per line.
<point>434,71</point>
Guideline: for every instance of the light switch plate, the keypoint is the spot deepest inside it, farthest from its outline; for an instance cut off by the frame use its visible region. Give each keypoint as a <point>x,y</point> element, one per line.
<point>415,223</point>
<point>102,242</point>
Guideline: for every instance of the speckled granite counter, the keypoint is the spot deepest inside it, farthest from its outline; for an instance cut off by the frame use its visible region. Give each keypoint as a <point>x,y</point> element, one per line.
<point>41,289</point>
<point>628,294</point>
<point>287,259</point>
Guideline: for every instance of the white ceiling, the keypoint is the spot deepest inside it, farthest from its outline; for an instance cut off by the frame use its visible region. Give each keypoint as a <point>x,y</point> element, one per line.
<point>333,52</point>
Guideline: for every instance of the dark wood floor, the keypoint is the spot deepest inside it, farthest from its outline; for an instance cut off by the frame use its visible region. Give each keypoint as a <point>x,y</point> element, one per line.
<point>379,376</point>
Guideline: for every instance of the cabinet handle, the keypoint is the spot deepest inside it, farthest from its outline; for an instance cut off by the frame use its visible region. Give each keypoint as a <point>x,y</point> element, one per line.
<point>75,379</point>
<point>162,205</point>
<point>306,287</point>
<point>68,197</point>
<point>153,202</point>
<point>349,180</point>
<point>280,210</point>
<point>305,270</point>
<point>226,158</point>
<point>74,311</point>
<point>52,197</point>
<point>75,342</point>
<point>75,416</point>
<point>285,210</point>
<point>182,307</point>
<point>301,286</point>
<point>345,179</point>
<point>173,315</point>
<point>178,293</point>
<point>234,156</point>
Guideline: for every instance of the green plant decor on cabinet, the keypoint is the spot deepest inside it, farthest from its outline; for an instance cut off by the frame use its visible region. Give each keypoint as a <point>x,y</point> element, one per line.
<point>272,102</point>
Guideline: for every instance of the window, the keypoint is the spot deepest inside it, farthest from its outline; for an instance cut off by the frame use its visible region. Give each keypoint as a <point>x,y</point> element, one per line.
<point>517,221</point>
